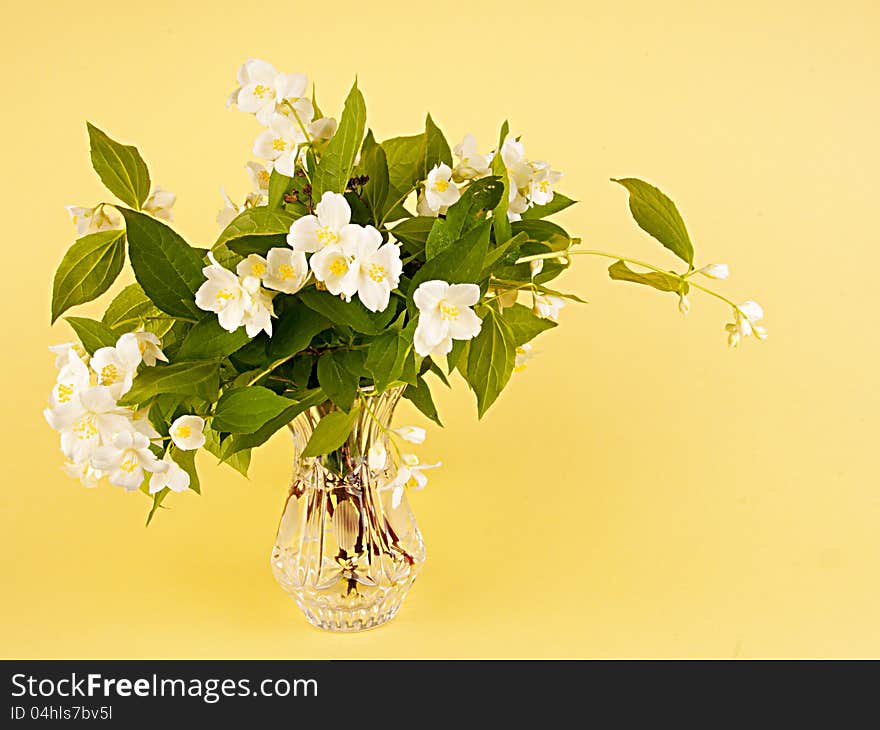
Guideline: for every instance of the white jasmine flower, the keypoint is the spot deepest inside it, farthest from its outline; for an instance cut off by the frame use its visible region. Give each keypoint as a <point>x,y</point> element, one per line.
<point>223,294</point>
<point>188,432</point>
<point>715,271</point>
<point>260,175</point>
<point>116,366</point>
<point>519,176</point>
<point>287,270</point>
<point>472,164</point>
<point>175,478</point>
<point>328,226</point>
<point>377,456</point>
<point>229,211</point>
<point>547,306</point>
<point>379,268</point>
<point>747,318</point>
<point>413,434</point>
<point>253,265</point>
<point>85,472</point>
<point>541,183</point>
<point>149,345</point>
<point>62,353</point>
<point>323,128</point>
<point>259,309</point>
<point>159,203</point>
<point>440,190</point>
<point>73,378</point>
<point>409,475</point>
<point>87,421</point>
<point>126,458</point>
<point>280,143</point>
<point>335,267</point>
<point>524,353</point>
<point>92,220</point>
<point>262,88</point>
<point>445,314</point>
<point>684,304</point>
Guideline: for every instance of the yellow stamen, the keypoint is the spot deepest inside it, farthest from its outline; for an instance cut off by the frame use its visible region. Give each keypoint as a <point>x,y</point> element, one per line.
<point>224,295</point>
<point>286,271</point>
<point>441,185</point>
<point>109,374</point>
<point>258,269</point>
<point>327,236</point>
<point>263,177</point>
<point>377,272</point>
<point>279,145</point>
<point>339,266</point>
<point>183,431</point>
<point>448,312</point>
<point>129,465</point>
<point>65,392</point>
<point>260,91</point>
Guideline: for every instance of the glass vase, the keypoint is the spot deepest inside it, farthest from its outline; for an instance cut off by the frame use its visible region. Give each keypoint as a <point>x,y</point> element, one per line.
<point>347,550</point>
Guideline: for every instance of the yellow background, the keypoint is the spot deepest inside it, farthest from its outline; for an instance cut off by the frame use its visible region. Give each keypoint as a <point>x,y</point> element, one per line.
<point>640,490</point>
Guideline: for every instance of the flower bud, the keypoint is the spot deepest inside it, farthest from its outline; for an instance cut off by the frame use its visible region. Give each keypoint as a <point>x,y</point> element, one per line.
<point>715,271</point>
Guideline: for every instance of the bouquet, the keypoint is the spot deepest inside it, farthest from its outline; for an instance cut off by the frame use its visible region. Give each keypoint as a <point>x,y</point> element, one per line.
<point>355,268</point>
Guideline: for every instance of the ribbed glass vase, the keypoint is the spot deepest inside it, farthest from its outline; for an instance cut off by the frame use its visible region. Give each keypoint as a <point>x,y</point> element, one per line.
<point>345,552</point>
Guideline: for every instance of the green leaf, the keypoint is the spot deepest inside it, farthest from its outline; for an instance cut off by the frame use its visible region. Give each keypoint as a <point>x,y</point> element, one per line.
<point>336,381</point>
<point>256,230</point>
<point>458,355</point>
<point>375,167</point>
<point>619,271</point>
<point>491,357</point>
<point>352,314</point>
<point>657,215</point>
<point>414,232</point>
<point>559,202</point>
<point>481,196</point>
<point>500,223</point>
<point>248,409</point>
<point>93,334</point>
<point>186,460</point>
<point>545,232</point>
<point>386,356</point>
<point>162,411</point>
<point>436,148</point>
<point>337,162</point>
<point>461,263</point>
<point>87,270</point>
<point>500,255</point>
<point>278,185</point>
<point>238,460</point>
<point>158,498</point>
<point>420,396</point>
<point>168,269</point>
<point>208,340</point>
<point>120,168</point>
<point>524,324</point>
<point>239,442</point>
<point>199,379</point>
<point>129,309</point>
<point>405,157</point>
<point>331,432</point>
<point>295,330</point>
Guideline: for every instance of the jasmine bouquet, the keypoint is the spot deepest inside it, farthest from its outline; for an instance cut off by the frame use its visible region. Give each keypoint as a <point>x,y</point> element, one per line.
<point>355,272</point>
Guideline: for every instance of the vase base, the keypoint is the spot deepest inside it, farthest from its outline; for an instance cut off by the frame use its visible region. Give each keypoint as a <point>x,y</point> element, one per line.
<point>348,622</point>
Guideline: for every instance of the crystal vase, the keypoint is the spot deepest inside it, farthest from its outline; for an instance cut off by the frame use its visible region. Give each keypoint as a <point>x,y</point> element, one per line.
<point>347,550</point>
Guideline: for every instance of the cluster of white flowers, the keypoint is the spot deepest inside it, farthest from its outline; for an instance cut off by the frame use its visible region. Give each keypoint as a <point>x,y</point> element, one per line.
<point>346,258</point>
<point>279,103</point>
<point>410,470</point>
<point>105,218</point>
<point>101,438</point>
<point>530,182</point>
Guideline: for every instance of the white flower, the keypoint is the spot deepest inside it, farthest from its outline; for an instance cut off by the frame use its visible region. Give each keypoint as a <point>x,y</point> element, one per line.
<point>409,475</point>
<point>262,88</point>
<point>547,306</point>
<point>377,456</point>
<point>445,314</point>
<point>335,267</point>
<point>259,310</point>
<point>329,226</point>
<point>541,183</point>
<point>286,271</point>
<point>747,318</point>
<point>323,128</point>
<point>126,458</point>
<point>62,353</point>
<point>440,190</point>
<point>280,143</point>
<point>85,472</point>
<point>159,204</point>
<point>684,304</point>
<point>223,294</point>
<point>229,211</point>
<point>524,353</point>
<point>187,432</point>
<point>519,176</point>
<point>149,345</point>
<point>87,421</point>
<point>472,164</point>
<point>536,267</point>
<point>73,378</point>
<point>116,366</point>
<point>175,478</point>
<point>413,434</point>
<point>715,271</point>
<point>92,220</point>
<point>260,175</point>
<point>379,268</point>
<point>253,265</point>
